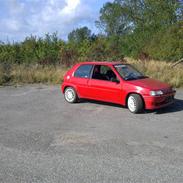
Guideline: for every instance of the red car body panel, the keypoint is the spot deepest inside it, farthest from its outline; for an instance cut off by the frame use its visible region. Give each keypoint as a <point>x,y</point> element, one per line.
<point>118,92</point>
<point>149,84</point>
<point>104,90</point>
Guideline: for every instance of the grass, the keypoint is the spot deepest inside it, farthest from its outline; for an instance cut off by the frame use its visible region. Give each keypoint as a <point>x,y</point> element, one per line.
<point>160,70</point>
<point>1,76</point>
<point>21,74</point>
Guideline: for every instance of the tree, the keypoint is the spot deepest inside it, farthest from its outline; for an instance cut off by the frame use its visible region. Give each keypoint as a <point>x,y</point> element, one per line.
<point>113,19</point>
<point>79,35</point>
<point>167,44</point>
<point>135,22</point>
<point>123,16</point>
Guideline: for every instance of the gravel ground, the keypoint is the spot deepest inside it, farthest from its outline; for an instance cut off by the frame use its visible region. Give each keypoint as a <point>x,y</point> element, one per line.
<point>44,139</point>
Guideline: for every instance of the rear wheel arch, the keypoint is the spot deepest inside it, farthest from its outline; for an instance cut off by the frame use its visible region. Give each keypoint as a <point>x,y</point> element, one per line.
<point>72,86</point>
<point>67,86</point>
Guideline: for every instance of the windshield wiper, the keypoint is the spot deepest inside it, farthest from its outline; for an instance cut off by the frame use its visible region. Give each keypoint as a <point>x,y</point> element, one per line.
<point>128,79</point>
<point>135,78</point>
<point>142,77</point>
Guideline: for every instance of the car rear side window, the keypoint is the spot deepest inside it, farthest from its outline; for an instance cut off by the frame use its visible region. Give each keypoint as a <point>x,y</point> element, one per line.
<point>83,71</point>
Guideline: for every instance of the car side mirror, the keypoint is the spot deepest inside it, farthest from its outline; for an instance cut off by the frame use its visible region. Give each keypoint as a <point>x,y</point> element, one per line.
<point>115,80</point>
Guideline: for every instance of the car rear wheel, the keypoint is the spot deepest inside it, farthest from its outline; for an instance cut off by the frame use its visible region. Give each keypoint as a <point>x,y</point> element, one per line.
<point>135,103</point>
<point>70,95</point>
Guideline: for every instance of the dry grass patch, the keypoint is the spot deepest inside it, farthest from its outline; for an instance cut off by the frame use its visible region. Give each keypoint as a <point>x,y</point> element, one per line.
<point>160,70</point>
<point>37,74</point>
<point>19,74</point>
<point>1,75</point>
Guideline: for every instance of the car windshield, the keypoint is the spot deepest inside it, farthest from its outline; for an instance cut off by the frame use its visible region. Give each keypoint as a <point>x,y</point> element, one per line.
<point>127,72</point>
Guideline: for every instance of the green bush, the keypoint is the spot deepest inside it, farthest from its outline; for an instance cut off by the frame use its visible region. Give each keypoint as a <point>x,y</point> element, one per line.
<point>167,44</point>
<point>32,50</point>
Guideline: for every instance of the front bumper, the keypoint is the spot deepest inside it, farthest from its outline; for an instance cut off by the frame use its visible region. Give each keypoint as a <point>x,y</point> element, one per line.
<point>156,102</point>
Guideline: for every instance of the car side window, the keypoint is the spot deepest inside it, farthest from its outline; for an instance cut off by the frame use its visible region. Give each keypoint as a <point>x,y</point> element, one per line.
<point>103,72</point>
<point>104,69</point>
<point>83,71</point>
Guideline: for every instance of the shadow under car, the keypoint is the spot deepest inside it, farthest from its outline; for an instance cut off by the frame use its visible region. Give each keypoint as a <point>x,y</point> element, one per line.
<point>175,107</point>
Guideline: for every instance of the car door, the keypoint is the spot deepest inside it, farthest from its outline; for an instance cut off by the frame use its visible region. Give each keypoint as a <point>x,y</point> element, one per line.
<point>101,88</point>
<point>80,79</point>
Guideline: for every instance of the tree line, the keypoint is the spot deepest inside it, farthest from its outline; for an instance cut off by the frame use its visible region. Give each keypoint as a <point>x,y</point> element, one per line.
<point>145,29</point>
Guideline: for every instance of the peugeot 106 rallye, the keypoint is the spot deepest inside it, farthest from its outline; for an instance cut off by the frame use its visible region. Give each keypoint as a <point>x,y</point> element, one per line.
<point>116,82</point>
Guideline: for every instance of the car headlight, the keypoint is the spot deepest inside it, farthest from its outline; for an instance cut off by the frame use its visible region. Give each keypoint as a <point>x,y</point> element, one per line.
<point>155,93</point>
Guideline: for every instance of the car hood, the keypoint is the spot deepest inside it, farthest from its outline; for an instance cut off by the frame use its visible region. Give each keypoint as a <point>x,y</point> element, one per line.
<point>149,83</point>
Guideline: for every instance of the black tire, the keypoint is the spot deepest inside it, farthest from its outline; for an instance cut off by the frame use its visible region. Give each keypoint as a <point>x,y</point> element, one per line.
<point>138,103</point>
<point>70,95</point>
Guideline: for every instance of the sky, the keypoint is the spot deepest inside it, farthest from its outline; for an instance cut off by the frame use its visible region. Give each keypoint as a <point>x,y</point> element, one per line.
<point>21,18</point>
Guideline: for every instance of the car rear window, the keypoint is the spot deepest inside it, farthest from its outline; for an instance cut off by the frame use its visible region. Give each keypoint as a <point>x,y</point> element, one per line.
<point>83,71</point>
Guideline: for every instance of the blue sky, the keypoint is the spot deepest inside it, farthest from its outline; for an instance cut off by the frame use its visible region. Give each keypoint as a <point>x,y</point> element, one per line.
<point>21,18</point>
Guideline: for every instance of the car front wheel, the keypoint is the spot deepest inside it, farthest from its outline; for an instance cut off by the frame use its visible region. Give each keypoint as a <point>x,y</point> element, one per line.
<point>135,103</point>
<point>70,95</point>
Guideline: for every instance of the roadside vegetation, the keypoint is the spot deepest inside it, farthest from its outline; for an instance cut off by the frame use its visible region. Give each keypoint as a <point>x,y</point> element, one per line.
<point>22,74</point>
<point>145,30</point>
<point>162,71</point>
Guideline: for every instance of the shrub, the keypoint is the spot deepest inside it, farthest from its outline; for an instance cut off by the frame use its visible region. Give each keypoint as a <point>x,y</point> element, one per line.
<point>167,44</point>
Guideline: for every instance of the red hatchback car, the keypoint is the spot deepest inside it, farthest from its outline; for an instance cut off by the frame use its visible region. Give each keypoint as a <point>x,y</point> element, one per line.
<point>117,83</point>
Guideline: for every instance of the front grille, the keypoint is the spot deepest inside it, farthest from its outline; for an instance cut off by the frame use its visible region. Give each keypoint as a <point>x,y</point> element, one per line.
<point>167,99</point>
<point>167,90</point>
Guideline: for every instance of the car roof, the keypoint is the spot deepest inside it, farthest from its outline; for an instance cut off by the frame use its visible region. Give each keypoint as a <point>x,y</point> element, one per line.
<point>102,63</point>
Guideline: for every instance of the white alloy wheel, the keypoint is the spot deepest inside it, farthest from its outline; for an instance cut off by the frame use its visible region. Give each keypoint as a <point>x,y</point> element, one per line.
<point>70,95</point>
<point>135,103</point>
<point>132,104</point>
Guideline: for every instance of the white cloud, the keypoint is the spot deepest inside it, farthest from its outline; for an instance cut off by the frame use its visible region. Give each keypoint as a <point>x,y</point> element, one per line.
<point>56,16</point>
<point>15,7</point>
<point>12,24</point>
<point>20,18</point>
<point>70,7</point>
